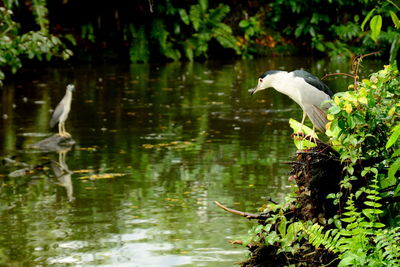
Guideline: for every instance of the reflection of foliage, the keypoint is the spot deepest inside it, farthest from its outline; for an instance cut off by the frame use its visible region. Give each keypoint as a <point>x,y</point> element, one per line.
<point>15,45</point>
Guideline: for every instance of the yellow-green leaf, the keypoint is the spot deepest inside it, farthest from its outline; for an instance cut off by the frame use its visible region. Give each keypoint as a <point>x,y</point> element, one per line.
<point>376,25</point>
<point>395,19</point>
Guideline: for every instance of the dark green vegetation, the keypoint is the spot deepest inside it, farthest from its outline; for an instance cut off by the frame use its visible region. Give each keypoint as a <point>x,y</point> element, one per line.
<point>166,30</point>
<point>346,202</point>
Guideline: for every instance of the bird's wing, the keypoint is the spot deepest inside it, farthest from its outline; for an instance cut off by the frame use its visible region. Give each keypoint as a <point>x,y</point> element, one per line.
<point>57,113</point>
<point>312,80</point>
<point>318,117</point>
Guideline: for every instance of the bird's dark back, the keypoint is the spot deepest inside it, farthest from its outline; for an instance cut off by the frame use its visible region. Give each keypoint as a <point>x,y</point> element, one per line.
<point>314,81</point>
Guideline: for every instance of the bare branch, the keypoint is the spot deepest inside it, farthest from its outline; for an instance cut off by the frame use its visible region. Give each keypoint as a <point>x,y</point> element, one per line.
<point>240,213</point>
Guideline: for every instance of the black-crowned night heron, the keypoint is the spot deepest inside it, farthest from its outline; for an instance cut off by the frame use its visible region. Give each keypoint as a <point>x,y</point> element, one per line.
<point>304,88</point>
<point>61,112</point>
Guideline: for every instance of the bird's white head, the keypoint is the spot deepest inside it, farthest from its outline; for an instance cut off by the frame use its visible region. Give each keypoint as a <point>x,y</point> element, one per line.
<point>264,81</point>
<point>70,87</point>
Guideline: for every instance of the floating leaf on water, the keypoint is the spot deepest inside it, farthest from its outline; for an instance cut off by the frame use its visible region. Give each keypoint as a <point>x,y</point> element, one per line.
<point>93,148</point>
<point>83,171</point>
<point>102,176</point>
<point>171,199</point>
<point>172,144</point>
<point>208,81</point>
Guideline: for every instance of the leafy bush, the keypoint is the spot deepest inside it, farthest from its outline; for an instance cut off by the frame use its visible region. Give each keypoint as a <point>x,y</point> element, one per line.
<point>360,127</point>
<point>14,45</point>
<point>364,130</point>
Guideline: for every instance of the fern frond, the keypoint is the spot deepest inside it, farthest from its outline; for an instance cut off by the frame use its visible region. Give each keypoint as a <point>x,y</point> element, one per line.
<point>318,237</point>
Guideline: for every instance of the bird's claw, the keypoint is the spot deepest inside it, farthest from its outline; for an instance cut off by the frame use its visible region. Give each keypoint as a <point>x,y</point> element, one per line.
<point>65,135</point>
<point>298,135</point>
<point>311,138</point>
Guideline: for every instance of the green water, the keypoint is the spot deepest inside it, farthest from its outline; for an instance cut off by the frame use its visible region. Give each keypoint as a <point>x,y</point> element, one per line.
<point>156,146</point>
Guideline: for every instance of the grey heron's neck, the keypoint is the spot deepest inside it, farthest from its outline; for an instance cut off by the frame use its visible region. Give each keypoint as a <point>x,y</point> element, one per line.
<point>280,81</point>
<point>285,83</point>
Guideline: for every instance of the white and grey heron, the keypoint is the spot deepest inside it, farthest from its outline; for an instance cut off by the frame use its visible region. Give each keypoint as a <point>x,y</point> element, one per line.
<point>61,112</point>
<point>304,88</point>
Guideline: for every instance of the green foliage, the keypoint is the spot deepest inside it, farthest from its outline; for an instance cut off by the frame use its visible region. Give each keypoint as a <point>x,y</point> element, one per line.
<point>139,48</point>
<point>278,231</point>
<point>40,13</point>
<point>14,45</point>
<point>87,32</point>
<point>364,129</point>
<point>375,17</point>
<point>253,34</point>
<point>363,242</point>
<point>188,31</point>
<point>159,33</point>
<point>361,124</point>
<point>301,142</point>
<point>206,25</point>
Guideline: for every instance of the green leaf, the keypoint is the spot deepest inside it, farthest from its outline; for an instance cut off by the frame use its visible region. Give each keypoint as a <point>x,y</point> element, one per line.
<point>204,5</point>
<point>184,16</point>
<point>320,46</point>
<point>367,18</point>
<point>393,169</point>
<point>244,23</point>
<point>394,136</point>
<point>195,16</point>
<point>188,51</point>
<point>334,109</point>
<point>376,25</point>
<point>373,204</point>
<point>282,226</point>
<point>396,153</point>
<point>395,19</point>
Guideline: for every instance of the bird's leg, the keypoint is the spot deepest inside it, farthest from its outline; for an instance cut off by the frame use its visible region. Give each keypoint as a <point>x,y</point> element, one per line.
<point>300,132</point>
<point>66,134</point>
<point>312,136</point>
<point>60,133</point>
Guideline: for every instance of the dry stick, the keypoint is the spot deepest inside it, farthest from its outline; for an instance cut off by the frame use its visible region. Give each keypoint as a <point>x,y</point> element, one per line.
<point>355,67</point>
<point>241,213</point>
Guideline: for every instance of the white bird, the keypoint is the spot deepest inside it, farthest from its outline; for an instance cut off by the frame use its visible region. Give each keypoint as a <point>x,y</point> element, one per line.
<point>61,112</point>
<point>304,88</point>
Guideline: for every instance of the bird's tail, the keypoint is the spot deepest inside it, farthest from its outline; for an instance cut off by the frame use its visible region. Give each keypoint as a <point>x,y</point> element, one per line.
<point>318,118</point>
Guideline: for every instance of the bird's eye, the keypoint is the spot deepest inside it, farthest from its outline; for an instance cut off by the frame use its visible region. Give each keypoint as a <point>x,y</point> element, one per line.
<point>260,80</point>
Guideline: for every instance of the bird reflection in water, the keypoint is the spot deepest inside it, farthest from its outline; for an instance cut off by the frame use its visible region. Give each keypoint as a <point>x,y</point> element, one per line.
<point>62,173</point>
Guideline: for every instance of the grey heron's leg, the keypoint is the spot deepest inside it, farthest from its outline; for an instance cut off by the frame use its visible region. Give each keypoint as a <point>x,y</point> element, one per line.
<point>300,132</point>
<point>66,134</point>
<point>302,121</point>
<point>60,133</point>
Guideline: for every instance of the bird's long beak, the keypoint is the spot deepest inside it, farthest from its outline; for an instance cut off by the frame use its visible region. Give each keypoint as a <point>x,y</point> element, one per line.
<point>252,91</point>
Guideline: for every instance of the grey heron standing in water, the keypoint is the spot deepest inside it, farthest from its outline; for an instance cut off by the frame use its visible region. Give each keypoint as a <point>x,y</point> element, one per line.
<point>304,88</point>
<point>61,112</point>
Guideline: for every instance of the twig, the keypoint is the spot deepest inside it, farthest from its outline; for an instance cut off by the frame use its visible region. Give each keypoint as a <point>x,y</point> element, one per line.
<point>354,68</point>
<point>240,213</point>
<point>339,73</point>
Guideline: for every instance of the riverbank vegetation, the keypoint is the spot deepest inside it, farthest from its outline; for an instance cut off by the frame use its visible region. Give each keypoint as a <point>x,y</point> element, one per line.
<point>344,210</point>
<point>171,30</point>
